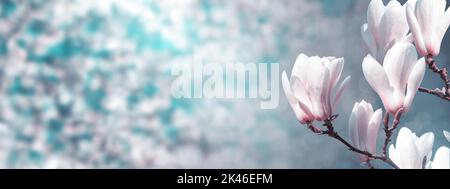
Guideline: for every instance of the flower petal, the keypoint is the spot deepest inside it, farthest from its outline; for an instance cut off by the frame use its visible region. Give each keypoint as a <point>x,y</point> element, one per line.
<point>416,31</point>
<point>393,27</point>
<point>394,156</point>
<point>301,65</point>
<point>441,158</point>
<point>353,126</point>
<point>302,96</point>
<point>442,29</point>
<point>369,41</point>
<point>335,66</point>
<point>407,150</point>
<point>372,132</point>
<point>318,79</point>
<point>425,145</point>
<point>374,14</point>
<point>340,90</point>
<point>362,123</point>
<point>398,63</point>
<point>428,14</point>
<point>378,80</point>
<point>414,81</point>
<point>447,135</point>
<point>291,99</point>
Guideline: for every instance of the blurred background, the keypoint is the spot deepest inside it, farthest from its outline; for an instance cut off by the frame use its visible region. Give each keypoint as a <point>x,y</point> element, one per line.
<point>86,84</point>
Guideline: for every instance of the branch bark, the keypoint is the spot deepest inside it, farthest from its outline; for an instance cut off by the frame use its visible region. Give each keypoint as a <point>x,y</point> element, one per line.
<point>436,92</point>
<point>443,93</point>
<point>328,124</point>
<point>389,130</point>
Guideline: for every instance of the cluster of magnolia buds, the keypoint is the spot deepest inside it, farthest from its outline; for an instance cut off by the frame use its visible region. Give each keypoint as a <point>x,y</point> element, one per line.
<point>394,36</point>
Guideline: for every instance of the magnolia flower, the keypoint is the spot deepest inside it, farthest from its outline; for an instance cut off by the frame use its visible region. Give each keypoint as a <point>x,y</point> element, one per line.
<point>386,25</point>
<point>400,72</point>
<point>428,22</point>
<point>364,125</point>
<point>441,159</point>
<point>410,151</point>
<point>310,88</point>
<point>447,135</point>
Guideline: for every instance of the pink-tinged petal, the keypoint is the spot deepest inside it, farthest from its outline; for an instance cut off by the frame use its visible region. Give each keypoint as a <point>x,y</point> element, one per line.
<point>447,135</point>
<point>336,66</point>
<point>416,31</point>
<point>340,90</point>
<point>318,79</point>
<point>407,150</point>
<point>287,88</point>
<point>425,145</point>
<point>374,13</point>
<point>301,116</point>
<point>353,126</point>
<point>325,96</point>
<point>441,158</point>
<point>301,65</point>
<point>362,123</point>
<point>303,99</point>
<point>369,41</point>
<point>378,80</point>
<point>428,14</point>
<point>393,27</point>
<point>300,91</point>
<point>398,64</point>
<point>414,81</point>
<point>372,132</point>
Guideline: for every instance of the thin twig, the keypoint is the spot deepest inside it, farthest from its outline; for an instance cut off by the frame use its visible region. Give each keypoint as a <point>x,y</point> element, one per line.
<point>436,92</point>
<point>332,133</point>
<point>443,74</point>
<point>387,138</point>
<point>389,130</point>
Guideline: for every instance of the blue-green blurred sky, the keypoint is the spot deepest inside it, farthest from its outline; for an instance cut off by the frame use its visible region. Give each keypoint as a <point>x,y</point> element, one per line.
<point>87,83</point>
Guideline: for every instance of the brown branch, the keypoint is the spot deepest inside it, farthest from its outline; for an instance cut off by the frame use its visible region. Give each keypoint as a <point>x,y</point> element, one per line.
<point>332,133</point>
<point>389,130</point>
<point>436,92</point>
<point>387,139</point>
<point>443,74</point>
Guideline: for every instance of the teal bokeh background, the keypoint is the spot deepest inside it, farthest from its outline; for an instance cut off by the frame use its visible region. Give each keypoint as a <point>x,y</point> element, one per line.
<point>87,83</point>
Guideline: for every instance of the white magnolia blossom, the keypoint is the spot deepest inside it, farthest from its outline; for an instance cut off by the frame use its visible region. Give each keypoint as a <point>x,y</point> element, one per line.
<point>441,159</point>
<point>309,91</point>
<point>400,72</point>
<point>410,151</point>
<point>428,21</point>
<point>386,25</point>
<point>364,125</point>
